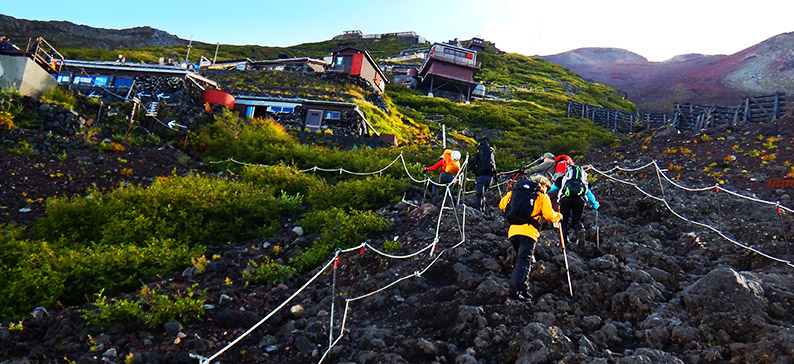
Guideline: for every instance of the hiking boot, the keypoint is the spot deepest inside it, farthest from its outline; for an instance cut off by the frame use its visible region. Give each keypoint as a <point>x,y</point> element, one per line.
<point>521,297</point>
<point>580,237</point>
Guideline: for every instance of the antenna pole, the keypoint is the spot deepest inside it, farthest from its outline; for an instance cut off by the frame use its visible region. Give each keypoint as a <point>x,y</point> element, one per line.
<point>190,44</point>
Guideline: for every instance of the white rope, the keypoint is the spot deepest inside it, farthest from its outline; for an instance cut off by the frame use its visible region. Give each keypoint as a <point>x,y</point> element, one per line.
<point>416,274</point>
<point>707,226</point>
<point>431,247</point>
<point>207,360</point>
<point>690,189</point>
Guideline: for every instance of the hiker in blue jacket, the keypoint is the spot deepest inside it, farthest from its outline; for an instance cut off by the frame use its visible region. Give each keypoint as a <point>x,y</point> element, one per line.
<point>571,197</point>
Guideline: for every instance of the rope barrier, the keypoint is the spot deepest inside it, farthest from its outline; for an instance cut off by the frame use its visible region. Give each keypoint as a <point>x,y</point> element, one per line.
<point>707,226</point>
<point>207,360</point>
<point>335,261</point>
<point>461,225</point>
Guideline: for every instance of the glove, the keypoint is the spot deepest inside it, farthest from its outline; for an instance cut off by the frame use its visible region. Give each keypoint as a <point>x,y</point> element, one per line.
<point>424,169</point>
<point>555,224</point>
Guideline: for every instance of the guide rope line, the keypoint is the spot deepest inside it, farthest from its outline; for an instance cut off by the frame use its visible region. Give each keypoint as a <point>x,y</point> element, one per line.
<point>462,227</point>
<point>343,325</point>
<point>334,261</point>
<point>707,226</point>
<point>243,335</point>
<point>690,189</point>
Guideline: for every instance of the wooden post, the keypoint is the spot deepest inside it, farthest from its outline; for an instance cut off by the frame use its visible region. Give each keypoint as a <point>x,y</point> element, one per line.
<point>617,115</point>
<point>631,123</point>
<point>444,135</point>
<point>747,109</point>
<point>129,127</point>
<point>735,115</point>
<point>776,111</point>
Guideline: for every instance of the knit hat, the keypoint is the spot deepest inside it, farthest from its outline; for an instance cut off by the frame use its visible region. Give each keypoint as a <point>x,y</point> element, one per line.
<point>455,155</point>
<point>548,155</point>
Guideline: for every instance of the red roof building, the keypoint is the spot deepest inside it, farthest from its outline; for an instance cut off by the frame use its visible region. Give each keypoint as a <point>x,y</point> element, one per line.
<point>449,68</point>
<point>357,61</point>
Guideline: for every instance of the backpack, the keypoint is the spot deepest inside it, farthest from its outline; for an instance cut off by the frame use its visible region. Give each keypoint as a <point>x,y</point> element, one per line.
<point>522,202</point>
<point>574,183</point>
<point>485,162</point>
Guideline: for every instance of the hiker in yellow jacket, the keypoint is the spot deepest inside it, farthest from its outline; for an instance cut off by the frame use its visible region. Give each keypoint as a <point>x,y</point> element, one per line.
<point>525,236</point>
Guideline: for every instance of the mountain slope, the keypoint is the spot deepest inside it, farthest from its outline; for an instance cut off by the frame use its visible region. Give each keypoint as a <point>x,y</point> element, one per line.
<point>647,287</point>
<point>64,34</point>
<point>717,79</point>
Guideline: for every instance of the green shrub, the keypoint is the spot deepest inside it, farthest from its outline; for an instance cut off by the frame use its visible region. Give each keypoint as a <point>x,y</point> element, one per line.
<point>267,272</point>
<point>183,307</point>
<point>115,312</point>
<point>160,308</point>
<point>282,179</point>
<point>391,246</point>
<point>338,229</point>
<point>192,209</point>
<point>11,101</point>
<point>364,194</point>
<point>60,96</point>
<point>38,273</point>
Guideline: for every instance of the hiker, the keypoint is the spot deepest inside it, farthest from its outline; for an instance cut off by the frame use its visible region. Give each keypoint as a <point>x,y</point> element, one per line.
<point>524,205</point>
<point>449,167</point>
<point>562,162</point>
<point>545,168</point>
<point>484,173</point>
<point>6,45</point>
<point>573,192</point>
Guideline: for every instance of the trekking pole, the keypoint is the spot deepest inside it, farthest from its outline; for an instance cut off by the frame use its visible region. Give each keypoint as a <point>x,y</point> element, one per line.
<point>533,162</point>
<point>511,181</point>
<point>597,237</point>
<point>567,271</point>
<point>427,183</point>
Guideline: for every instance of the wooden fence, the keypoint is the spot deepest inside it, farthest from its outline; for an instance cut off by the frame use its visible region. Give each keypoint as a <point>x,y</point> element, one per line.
<point>764,108</point>
<point>686,116</point>
<point>613,119</point>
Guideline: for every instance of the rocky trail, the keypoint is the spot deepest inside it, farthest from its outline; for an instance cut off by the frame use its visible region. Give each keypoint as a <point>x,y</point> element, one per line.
<point>648,286</point>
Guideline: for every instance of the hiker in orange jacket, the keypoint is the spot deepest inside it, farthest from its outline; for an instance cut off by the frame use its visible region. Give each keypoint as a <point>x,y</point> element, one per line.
<point>524,237</point>
<point>449,167</point>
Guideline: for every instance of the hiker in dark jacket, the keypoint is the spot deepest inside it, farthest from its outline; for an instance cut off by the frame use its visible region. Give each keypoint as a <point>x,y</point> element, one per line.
<point>545,168</point>
<point>525,236</point>
<point>484,172</point>
<point>572,194</point>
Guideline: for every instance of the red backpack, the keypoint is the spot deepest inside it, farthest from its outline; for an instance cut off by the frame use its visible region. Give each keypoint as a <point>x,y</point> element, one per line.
<point>563,161</point>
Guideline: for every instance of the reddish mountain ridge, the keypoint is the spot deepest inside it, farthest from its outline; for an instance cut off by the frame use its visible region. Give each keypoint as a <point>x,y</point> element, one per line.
<point>723,80</point>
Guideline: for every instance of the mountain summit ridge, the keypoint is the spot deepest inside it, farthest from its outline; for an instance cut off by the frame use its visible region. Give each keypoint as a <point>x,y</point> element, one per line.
<point>763,68</point>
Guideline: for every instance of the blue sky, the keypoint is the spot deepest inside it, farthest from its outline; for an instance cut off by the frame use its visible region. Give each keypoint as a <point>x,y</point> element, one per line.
<point>656,30</point>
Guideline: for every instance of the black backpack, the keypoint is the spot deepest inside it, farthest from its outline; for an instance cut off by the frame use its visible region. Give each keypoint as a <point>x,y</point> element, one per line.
<point>486,165</point>
<point>574,182</point>
<point>522,202</point>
